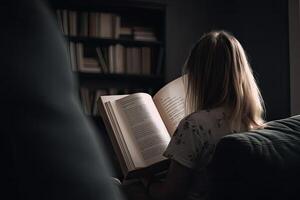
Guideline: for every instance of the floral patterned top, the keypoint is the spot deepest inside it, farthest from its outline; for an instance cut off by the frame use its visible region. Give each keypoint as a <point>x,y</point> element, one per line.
<point>194,142</point>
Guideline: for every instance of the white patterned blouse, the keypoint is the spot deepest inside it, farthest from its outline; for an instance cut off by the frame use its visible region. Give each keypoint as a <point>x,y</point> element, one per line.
<point>193,145</point>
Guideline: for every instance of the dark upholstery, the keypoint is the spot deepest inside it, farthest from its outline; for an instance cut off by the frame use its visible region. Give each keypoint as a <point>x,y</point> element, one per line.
<point>261,164</point>
<point>49,150</point>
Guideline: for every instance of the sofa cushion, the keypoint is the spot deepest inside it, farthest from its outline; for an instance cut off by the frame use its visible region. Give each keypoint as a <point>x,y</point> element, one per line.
<point>260,164</point>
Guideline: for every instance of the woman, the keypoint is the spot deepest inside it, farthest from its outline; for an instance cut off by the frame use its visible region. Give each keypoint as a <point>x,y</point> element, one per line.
<point>223,98</point>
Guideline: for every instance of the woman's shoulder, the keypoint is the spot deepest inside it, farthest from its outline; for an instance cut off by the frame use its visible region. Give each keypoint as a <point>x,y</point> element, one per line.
<point>212,120</point>
<point>206,116</point>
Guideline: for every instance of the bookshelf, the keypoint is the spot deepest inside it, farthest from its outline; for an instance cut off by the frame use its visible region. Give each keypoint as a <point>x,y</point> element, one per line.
<point>115,47</point>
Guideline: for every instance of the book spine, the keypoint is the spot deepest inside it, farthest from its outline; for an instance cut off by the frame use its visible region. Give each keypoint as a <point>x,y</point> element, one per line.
<point>83,24</point>
<point>111,56</point>
<point>59,20</point>
<point>65,21</point>
<point>73,56</point>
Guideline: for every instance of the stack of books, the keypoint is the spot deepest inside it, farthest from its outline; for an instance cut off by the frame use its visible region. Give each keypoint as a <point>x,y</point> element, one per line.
<point>144,34</point>
<point>100,25</point>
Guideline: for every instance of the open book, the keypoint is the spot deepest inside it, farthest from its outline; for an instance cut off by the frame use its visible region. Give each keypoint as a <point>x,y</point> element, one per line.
<point>140,127</point>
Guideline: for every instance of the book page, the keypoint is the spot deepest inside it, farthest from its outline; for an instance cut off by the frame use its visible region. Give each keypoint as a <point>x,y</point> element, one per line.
<point>144,126</point>
<point>170,102</point>
<point>110,109</point>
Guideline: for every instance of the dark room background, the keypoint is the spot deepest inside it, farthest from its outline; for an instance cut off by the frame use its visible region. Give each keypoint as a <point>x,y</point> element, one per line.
<point>260,26</point>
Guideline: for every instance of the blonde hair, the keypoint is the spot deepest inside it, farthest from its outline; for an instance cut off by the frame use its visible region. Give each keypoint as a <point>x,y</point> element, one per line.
<point>219,74</point>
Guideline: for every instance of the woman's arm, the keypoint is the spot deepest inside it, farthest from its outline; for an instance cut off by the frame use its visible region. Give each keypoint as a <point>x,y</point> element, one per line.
<point>176,185</point>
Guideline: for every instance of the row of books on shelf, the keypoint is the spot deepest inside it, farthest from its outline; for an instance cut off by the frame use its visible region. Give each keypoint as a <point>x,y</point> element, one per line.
<point>113,59</point>
<point>100,25</point>
<point>90,97</point>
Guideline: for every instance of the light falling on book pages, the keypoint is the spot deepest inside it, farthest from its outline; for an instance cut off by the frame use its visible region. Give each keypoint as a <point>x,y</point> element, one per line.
<point>140,127</point>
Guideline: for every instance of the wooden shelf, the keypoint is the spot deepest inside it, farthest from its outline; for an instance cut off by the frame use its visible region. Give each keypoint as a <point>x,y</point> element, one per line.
<point>118,5</point>
<point>108,41</point>
<point>120,81</point>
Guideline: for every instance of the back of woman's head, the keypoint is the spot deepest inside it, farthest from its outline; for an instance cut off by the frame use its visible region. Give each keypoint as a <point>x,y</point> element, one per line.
<point>219,74</point>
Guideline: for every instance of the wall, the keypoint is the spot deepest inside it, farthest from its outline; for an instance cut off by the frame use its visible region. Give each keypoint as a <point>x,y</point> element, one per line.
<point>294,33</point>
<point>261,27</point>
<point>186,21</point>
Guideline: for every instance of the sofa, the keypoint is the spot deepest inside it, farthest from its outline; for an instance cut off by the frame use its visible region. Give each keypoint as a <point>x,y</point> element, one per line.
<point>49,149</point>
<point>259,164</point>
